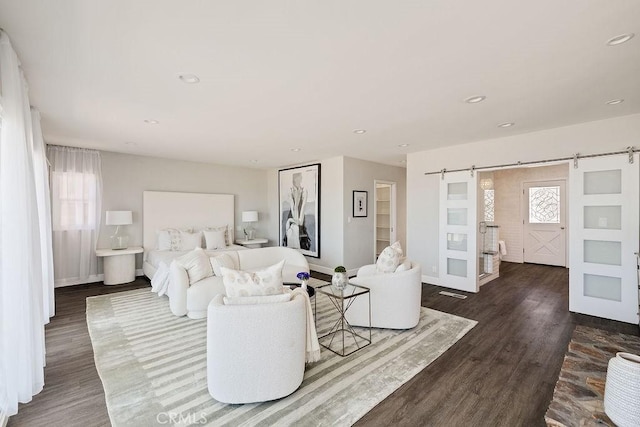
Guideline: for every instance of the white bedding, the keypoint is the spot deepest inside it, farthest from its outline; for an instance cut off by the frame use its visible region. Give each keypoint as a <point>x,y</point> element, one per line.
<point>156,257</point>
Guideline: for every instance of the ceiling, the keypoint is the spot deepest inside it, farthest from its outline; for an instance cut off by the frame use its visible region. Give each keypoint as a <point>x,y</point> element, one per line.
<point>282,75</point>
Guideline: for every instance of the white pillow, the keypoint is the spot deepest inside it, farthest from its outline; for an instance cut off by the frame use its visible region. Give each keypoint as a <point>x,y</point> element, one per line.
<point>197,265</point>
<point>226,233</point>
<point>168,239</point>
<point>389,258</point>
<point>189,241</point>
<point>404,266</point>
<point>215,239</point>
<point>222,260</point>
<point>244,284</point>
<point>262,299</point>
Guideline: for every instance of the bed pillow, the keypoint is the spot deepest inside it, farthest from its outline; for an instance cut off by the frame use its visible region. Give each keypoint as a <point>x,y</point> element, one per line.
<point>222,260</point>
<point>168,239</point>
<point>262,299</point>
<point>224,228</point>
<point>215,239</point>
<point>189,241</point>
<point>262,282</point>
<point>389,258</point>
<point>197,265</point>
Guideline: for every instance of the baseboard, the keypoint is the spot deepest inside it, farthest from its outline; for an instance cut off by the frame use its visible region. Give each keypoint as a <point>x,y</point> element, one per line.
<point>3,420</point>
<point>91,279</point>
<point>431,280</point>
<point>329,270</point>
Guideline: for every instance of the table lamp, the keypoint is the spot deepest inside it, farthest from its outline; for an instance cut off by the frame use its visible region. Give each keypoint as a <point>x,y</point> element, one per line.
<point>248,217</point>
<point>119,240</point>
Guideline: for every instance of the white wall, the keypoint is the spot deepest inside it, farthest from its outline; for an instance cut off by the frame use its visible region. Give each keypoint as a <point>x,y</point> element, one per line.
<point>126,176</point>
<point>423,190</point>
<point>359,232</point>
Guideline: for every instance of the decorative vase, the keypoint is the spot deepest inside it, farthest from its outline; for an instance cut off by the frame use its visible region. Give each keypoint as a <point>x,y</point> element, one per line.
<point>622,390</point>
<point>339,281</point>
<point>304,283</point>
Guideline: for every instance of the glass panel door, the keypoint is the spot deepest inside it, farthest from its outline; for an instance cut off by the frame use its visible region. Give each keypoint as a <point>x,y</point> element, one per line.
<point>458,252</point>
<point>604,238</point>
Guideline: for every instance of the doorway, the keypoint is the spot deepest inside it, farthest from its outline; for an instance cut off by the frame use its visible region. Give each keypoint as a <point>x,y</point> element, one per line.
<point>384,216</point>
<point>544,222</point>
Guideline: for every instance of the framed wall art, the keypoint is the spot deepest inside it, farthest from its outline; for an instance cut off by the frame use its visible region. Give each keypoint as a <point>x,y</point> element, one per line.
<point>360,203</point>
<point>299,201</point>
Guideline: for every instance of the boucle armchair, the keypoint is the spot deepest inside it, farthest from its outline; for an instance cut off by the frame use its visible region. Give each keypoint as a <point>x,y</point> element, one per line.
<point>255,352</point>
<point>395,298</point>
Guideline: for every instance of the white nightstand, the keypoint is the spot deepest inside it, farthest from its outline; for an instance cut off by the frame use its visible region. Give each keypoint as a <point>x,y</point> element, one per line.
<point>254,243</point>
<point>119,264</point>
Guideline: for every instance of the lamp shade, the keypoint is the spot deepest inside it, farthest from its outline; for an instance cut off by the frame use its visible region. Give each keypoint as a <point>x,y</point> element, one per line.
<point>119,218</point>
<point>249,216</point>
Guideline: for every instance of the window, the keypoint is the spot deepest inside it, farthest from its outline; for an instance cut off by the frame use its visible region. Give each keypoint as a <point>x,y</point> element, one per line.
<point>489,205</point>
<point>76,194</point>
<point>544,205</point>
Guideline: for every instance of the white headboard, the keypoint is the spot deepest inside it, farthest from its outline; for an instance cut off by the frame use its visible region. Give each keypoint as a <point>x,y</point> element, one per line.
<point>162,209</point>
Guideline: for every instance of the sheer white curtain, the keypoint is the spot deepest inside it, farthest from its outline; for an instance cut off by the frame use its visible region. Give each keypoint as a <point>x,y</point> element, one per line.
<point>76,198</point>
<point>21,279</point>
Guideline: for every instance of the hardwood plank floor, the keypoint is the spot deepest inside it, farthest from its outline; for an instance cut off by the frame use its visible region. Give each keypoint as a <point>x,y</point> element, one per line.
<point>501,373</point>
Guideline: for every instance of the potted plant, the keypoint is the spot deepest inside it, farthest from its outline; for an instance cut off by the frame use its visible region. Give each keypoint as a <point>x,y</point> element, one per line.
<point>340,280</point>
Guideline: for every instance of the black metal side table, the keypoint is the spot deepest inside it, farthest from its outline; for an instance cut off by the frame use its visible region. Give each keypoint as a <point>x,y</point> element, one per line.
<point>341,333</point>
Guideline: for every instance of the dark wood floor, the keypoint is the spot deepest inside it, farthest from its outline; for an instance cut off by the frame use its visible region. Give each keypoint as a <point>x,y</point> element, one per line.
<point>501,373</point>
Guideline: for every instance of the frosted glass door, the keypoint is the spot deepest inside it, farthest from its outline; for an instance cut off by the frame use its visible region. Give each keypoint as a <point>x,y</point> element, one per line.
<point>458,255</point>
<point>604,238</point>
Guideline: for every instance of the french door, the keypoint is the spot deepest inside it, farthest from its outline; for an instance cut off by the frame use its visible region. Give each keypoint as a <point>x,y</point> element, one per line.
<point>604,238</point>
<point>458,212</point>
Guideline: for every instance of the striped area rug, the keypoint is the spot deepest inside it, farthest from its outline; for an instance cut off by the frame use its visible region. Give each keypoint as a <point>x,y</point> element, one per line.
<point>153,367</point>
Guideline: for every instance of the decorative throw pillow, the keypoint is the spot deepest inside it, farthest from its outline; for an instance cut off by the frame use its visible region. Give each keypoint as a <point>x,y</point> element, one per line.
<point>262,299</point>
<point>222,260</point>
<point>389,258</point>
<point>224,228</point>
<point>404,266</point>
<point>244,284</point>
<point>189,241</point>
<point>168,239</point>
<point>215,239</point>
<point>197,265</point>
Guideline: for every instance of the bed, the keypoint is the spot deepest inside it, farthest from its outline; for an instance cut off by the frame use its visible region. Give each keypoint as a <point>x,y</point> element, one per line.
<point>183,211</point>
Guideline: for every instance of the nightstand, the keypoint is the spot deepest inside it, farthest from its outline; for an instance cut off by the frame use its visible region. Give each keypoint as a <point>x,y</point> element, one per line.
<point>119,264</point>
<point>254,243</point>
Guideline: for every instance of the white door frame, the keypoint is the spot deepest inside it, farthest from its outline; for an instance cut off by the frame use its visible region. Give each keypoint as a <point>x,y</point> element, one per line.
<point>392,213</point>
<point>564,208</point>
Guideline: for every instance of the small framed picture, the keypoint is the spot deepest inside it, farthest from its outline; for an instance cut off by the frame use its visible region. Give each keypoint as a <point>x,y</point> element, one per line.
<point>360,202</point>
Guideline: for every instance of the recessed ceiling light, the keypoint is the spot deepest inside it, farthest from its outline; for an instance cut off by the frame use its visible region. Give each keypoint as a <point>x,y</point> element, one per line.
<point>189,78</point>
<point>254,161</point>
<point>615,102</point>
<point>151,122</point>
<point>403,145</point>
<point>475,99</point>
<point>622,38</point>
<point>403,161</point>
<point>130,143</point>
<point>360,131</point>
<point>295,149</point>
<point>506,125</point>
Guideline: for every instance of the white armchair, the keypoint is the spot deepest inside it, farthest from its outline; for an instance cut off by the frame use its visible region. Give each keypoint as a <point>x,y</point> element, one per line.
<point>395,298</point>
<point>255,352</point>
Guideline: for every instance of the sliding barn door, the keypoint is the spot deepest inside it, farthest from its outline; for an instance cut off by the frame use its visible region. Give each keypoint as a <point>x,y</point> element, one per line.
<point>604,238</point>
<point>458,229</point>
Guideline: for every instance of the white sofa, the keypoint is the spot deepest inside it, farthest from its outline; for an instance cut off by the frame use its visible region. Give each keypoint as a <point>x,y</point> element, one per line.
<point>265,360</point>
<point>192,300</point>
<point>395,298</point>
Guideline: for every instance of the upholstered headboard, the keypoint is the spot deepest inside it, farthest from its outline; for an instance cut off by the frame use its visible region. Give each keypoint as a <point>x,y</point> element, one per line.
<point>162,209</point>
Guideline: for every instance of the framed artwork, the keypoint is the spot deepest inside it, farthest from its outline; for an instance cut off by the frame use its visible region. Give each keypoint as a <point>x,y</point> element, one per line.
<point>299,201</point>
<point>360,203</point>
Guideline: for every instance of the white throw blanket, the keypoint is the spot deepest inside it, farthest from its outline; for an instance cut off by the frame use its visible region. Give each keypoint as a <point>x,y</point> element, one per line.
<point>160,280</point>
<point>312,345</point>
